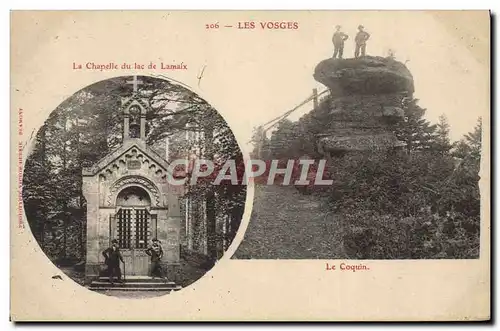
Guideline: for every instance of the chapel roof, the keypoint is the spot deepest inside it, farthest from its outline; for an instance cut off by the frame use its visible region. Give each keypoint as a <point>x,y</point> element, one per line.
<point>127,146</point>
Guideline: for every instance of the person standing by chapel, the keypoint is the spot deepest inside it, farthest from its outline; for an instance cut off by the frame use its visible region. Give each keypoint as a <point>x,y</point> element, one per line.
<point>338,40</point>
<point>156,253</point>
<point>112,258</point>
<point>361,37</point>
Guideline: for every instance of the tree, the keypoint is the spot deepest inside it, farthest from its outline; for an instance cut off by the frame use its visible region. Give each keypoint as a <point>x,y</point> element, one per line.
<point>260,142</point>
<point>473,139</point>
<point>85,128</point>
<point>442,138</point>
<point>282,139</point>
<point>36,198</point>
<point>415,131</point>
<point>470,145</point>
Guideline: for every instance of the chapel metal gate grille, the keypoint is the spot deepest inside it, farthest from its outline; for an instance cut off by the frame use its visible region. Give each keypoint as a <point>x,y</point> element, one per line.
<point>124,228</point>
<point>133,228</point>
<point>141,228</point>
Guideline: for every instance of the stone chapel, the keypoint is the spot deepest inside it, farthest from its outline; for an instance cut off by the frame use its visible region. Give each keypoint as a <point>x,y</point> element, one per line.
<point>129,198</point>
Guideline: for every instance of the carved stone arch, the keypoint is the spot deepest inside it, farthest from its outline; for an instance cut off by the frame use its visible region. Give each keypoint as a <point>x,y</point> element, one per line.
<point>139,181</point>
<point>134,101</point>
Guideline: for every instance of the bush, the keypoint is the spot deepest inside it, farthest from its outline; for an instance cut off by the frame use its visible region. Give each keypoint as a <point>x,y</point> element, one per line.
<point>367,235</point>
<point>402,207</point>
<point>402,185</point>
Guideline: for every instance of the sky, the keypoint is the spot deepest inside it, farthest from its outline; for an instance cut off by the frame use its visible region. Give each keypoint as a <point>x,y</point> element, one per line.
<point>252,76</point>
<point>448,79</point>
<point>450,76</point>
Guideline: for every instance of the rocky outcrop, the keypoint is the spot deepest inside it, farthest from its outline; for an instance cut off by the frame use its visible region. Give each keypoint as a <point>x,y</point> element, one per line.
<point>365,75</point>
<point>365,101</point>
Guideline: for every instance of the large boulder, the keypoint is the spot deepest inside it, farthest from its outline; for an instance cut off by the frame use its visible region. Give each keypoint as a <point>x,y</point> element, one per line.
<point>365,103</point>
<point>365,75</point>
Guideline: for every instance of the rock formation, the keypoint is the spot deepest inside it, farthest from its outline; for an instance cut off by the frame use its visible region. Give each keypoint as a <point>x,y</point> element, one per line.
<point>365,101</point>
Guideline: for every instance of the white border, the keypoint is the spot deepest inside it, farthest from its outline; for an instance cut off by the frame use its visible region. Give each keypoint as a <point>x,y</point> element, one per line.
<point>185,4</point>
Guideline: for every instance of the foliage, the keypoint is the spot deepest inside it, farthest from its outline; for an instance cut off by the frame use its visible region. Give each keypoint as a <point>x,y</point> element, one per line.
<point>427,235</point>
<point>402,185</point>
<point>415,131</point>
<point>420,205</point>
<point>442,142</point>
<point>85,128</point>
<point>296,139</point>
<point>422,202</point>
<point>469,147</point>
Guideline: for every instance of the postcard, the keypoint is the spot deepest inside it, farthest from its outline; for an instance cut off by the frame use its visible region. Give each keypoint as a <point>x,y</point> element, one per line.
<point>250,166</point>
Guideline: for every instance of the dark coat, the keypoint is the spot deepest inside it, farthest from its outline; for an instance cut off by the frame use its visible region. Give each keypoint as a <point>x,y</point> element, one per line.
<point>339,38</point>
<point>112,257</point>
<point>362,37</point>
<point>156,253</point>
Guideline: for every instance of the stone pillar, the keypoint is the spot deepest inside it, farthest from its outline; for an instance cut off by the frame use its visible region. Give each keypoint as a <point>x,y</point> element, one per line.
<point>169,235</point>
<point>143,126</point>
<point>161,229</point>
<point>104,230</point>
<point>172,247</point>
<point>168,232</point>
<point>174,222</point>
<point>126,126</point>
<point>90,188</point>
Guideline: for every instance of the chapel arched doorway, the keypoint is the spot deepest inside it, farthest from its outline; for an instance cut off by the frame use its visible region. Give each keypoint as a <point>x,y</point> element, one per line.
<point>134,227</point>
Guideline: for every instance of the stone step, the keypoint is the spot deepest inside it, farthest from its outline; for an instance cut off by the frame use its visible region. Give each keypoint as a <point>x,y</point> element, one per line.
<point>166,285</point>
<point>136,279</point>
<point>135,283</point>
<point>116,288</point>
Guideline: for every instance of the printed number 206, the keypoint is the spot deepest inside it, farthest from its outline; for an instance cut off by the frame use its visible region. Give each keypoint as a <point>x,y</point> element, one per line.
<point>212,26</point>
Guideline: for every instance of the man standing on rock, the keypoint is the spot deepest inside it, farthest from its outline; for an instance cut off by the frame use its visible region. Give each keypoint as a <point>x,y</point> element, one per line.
<point>361,37</point>
<point>338,42</point>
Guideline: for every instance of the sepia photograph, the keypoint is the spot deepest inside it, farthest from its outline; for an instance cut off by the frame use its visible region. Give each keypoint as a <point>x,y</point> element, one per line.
<point>107,200</point>
<point>401,186</point>
<point>250,165</point>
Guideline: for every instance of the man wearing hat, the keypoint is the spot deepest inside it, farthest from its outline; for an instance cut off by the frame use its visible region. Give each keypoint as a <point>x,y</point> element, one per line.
<point>361,37</point>
<point>338,42</point>
<point>112,258</point>
<point>156,253</point>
